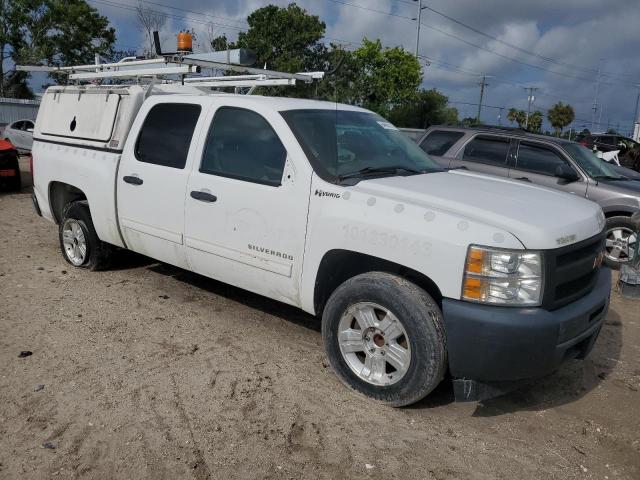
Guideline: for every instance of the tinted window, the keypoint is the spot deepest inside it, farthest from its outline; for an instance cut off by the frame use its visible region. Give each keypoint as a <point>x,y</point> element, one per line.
<point>166,134</point>
<point>538,159</point>
<point>28,125</point>
<point>241,144</point>
<point>18,125</point>
<point>439,142</point>
<point>491,150</point>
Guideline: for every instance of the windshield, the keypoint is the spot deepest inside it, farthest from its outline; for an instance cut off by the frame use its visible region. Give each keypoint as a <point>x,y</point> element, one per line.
<point>592,165</point>
<point>344,144</point>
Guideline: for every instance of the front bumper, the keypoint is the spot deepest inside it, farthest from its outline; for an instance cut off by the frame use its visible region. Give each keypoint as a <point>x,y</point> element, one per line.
<point>497,344</point>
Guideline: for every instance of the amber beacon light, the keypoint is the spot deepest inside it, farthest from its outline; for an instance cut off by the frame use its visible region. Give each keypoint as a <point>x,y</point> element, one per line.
<point>185,42</point>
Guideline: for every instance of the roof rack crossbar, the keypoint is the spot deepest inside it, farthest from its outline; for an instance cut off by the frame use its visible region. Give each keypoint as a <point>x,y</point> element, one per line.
<point>183,65</point>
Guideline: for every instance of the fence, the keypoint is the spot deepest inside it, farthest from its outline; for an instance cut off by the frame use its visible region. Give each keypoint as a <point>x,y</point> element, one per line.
<point>12,109</point>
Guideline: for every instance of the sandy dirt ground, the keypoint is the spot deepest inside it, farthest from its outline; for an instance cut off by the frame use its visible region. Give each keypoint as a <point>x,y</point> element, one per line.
<point>147,371</point>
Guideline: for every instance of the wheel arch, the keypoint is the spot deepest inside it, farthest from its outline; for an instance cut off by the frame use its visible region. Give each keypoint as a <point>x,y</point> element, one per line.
<point>60,195</point>
<point>339,265</point>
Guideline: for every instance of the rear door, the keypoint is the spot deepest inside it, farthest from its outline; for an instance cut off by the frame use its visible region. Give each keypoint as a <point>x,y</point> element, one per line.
<point>247,202</point>
<point>485,153</point>
<point>438,143</point>
<point>152,178</point>
<point>537,163</point>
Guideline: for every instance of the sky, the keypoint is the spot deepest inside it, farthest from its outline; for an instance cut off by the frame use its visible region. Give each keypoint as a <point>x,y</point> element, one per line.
<point>555,46</point>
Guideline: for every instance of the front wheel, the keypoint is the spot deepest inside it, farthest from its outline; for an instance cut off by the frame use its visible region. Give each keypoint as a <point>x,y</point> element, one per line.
<point>384,337</point>
<point>621,241</point>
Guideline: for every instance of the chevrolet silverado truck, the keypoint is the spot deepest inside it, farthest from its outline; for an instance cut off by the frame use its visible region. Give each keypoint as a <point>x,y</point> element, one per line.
<point>416,273</point>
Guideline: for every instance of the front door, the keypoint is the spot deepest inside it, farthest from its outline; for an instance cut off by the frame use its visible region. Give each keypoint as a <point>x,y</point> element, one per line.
<point>247,203</point>
<point>152,179</point>
<point>537,163</point>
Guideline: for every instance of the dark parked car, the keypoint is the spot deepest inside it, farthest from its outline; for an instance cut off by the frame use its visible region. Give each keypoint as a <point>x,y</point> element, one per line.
<point>9,167</point>
<point>550,162</point>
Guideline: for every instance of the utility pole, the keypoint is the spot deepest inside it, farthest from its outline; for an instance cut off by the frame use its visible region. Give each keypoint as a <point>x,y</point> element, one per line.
<point>418,20</point>
<point>635,113</point>
<point>482,84</point>
<point>530,99</point>
<point>595,99</point>
<point>500,109</point>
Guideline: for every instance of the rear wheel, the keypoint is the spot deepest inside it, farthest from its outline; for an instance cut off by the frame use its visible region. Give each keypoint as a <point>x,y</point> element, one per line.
<point>384,337</point>
<point>621,241</point>
<point>79,241</point>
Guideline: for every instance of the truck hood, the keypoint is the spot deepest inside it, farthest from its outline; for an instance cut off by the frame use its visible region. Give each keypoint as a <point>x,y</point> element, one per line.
<point>539,217</point>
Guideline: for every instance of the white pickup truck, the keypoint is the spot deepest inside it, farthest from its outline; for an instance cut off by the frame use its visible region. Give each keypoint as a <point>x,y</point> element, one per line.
<point>417,273</point>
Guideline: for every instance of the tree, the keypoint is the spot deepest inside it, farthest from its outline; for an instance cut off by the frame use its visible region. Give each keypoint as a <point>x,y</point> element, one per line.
<point>149,21</point>
<point>386,77</point>
<point>430,107</point>
<point>560,115</point>
<point>284,38</point>
<point>535,121</point>
<point>55,32</point>
<point>518,116</point>
<point>219,43</point>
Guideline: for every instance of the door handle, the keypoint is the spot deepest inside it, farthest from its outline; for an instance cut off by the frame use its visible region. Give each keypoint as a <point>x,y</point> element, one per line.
<point>133,180</point>
<point>524,179</point>
<point>203,196</point>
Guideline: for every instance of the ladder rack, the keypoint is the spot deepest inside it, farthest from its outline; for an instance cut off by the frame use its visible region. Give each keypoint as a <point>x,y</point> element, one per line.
<point>187,68</point>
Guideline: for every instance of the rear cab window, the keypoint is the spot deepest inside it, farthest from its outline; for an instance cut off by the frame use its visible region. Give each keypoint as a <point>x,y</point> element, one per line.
<point>438,142</point>
<point>488,149</point>
<point>165,136</point>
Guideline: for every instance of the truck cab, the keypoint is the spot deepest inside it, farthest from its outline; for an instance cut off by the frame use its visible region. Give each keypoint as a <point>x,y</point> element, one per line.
<point>414,271</point>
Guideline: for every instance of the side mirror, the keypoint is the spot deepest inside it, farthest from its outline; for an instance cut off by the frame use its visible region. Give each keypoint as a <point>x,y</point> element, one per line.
<point>567,174</point>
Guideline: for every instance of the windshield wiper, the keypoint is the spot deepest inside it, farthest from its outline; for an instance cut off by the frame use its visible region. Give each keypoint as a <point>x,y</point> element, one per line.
<point>609,177</point>
<point>379,170</point>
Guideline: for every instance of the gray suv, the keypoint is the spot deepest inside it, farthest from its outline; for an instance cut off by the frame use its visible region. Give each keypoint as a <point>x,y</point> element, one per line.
<point>550,162</point>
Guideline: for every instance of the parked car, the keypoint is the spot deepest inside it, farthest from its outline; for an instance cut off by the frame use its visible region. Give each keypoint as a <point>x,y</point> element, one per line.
<point>9,167</point>
<point>20,134</point>
<point>547,161</point>
<point>627,148</point>
<point>413,270</point>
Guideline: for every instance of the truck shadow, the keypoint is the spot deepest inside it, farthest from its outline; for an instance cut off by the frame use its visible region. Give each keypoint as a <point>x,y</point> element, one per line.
<point>244,297</point>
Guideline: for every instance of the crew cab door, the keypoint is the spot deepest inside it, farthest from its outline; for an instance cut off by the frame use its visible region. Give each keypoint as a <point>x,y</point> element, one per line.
<point>537,163</point>
<point>152,178</point>
<point>247,202</point>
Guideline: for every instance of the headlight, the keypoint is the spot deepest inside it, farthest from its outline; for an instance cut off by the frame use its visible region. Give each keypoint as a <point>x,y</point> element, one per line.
<point>502,277</point>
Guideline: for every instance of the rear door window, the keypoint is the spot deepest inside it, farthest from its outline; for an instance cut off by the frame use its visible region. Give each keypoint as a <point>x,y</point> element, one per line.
<point>487,149</point>
<point>538,159</point>
<point>166,134</point>
<point>439,142</point>
<point>18,125</point>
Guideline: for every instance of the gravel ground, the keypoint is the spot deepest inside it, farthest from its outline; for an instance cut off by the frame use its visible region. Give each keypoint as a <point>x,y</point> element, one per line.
<point>147,371</point>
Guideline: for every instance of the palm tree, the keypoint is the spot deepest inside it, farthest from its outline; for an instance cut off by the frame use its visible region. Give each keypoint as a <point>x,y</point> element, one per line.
<point>512,115</point>
<point>560,115</point>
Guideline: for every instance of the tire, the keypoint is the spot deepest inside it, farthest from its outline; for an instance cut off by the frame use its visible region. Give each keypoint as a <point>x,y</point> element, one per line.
<point>422,340</point>
<point>75,231</point>
<point>619,230</point>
